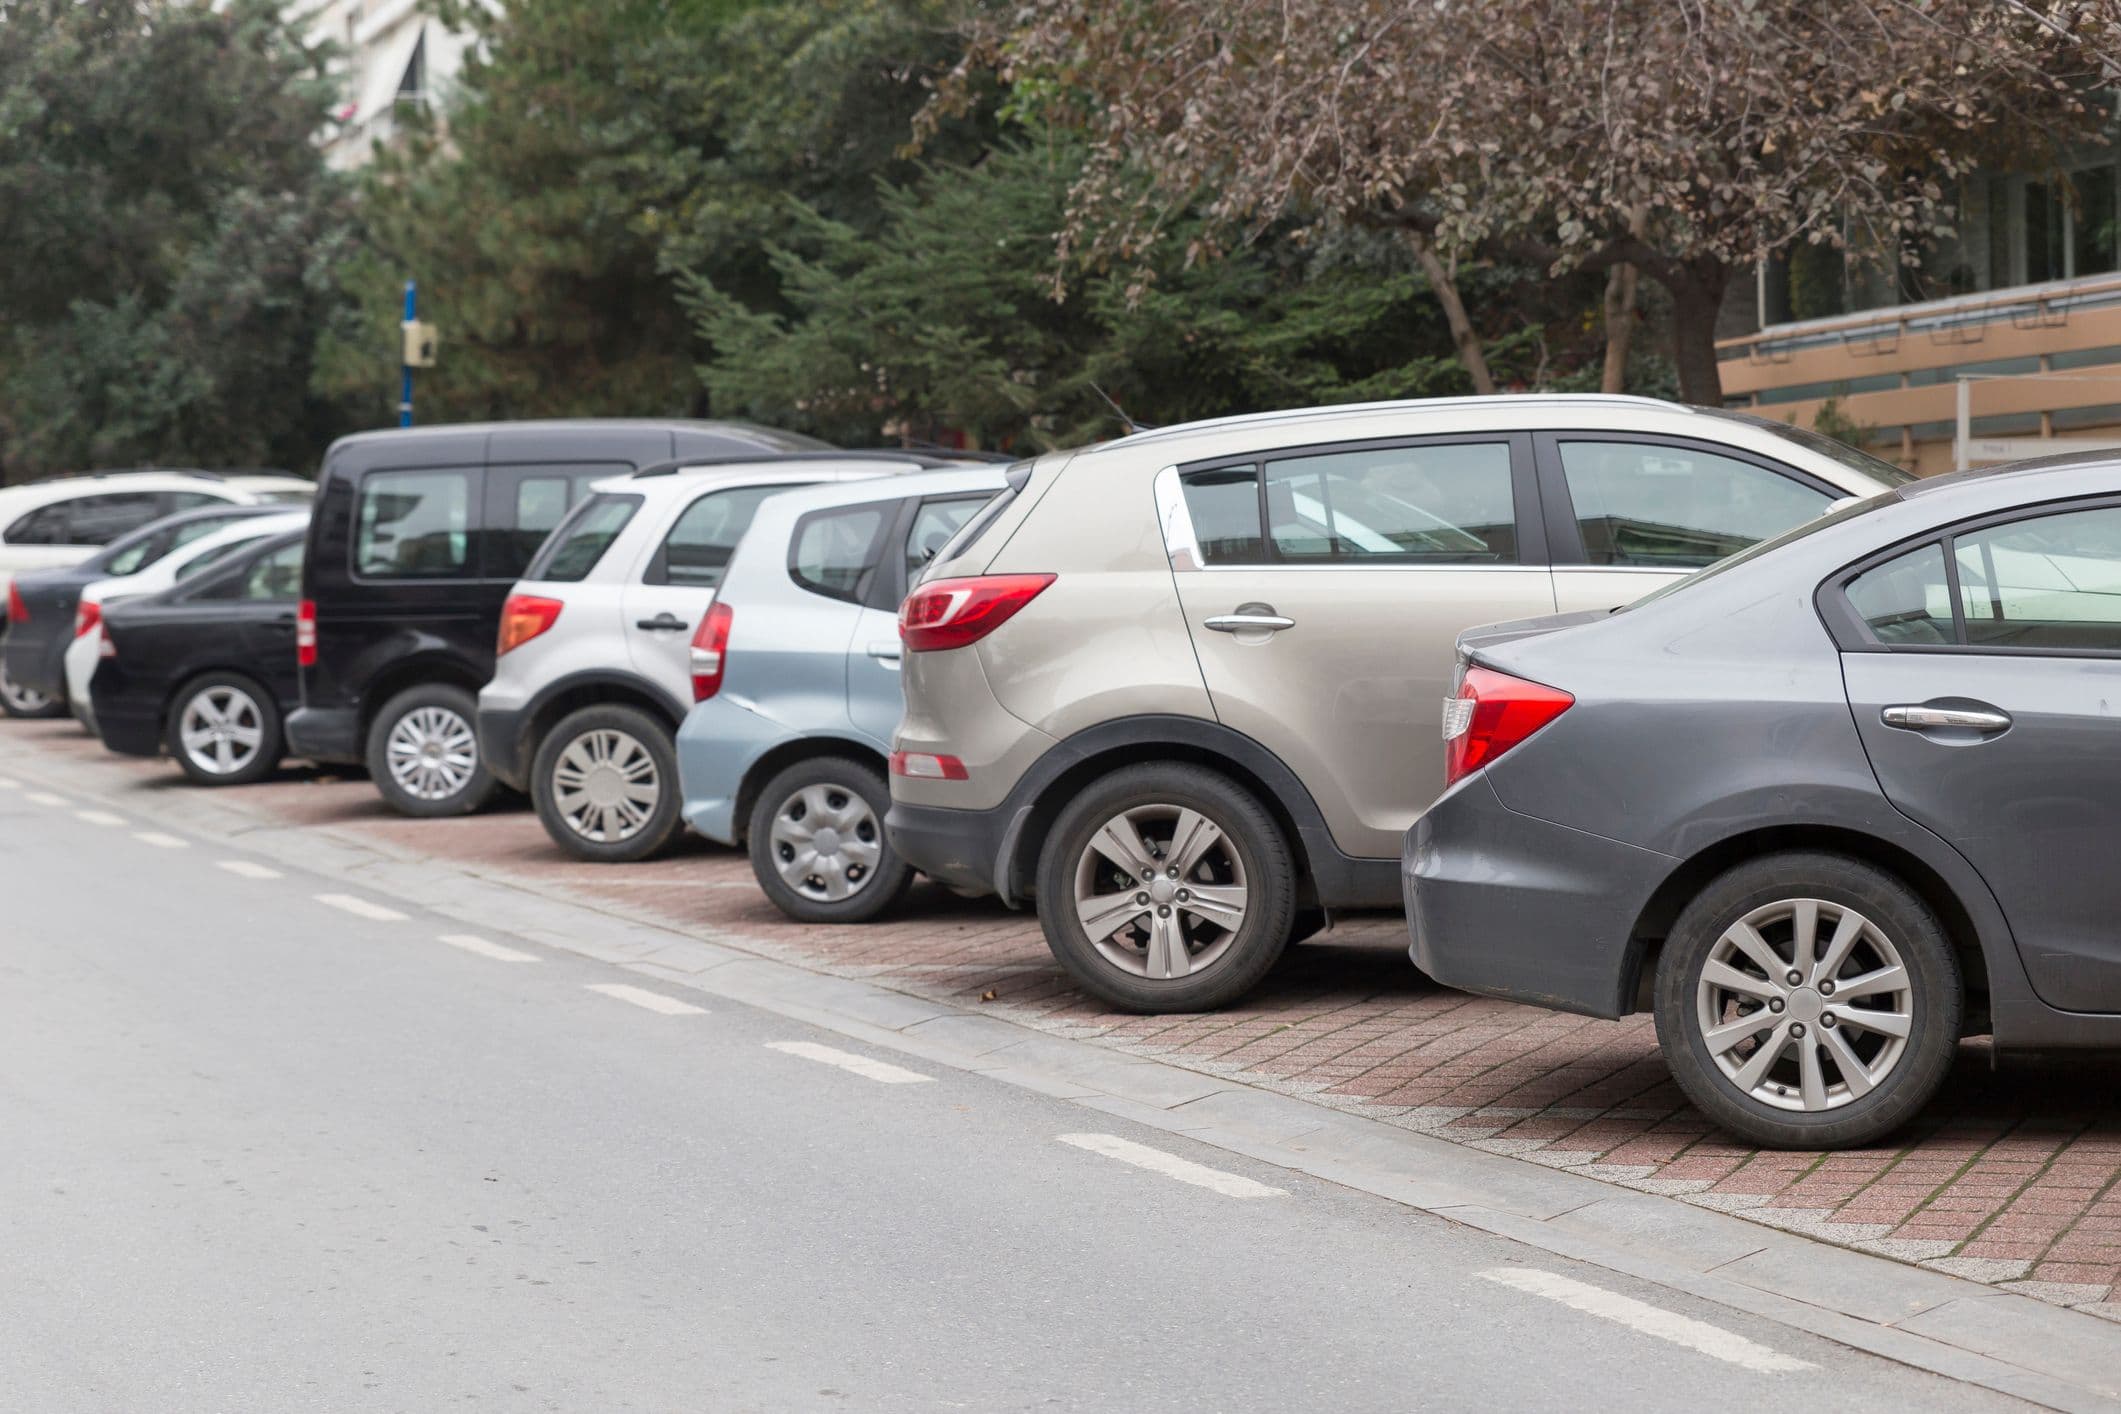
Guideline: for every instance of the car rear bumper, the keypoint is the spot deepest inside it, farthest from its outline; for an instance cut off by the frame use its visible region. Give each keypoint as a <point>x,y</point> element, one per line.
<point>717,744</point>
<point>961,848</point>
<point>129,733</point>
<point>331,734</point>
<point>500,732</point>
<point>35,662</point>
<point>1506,905</point>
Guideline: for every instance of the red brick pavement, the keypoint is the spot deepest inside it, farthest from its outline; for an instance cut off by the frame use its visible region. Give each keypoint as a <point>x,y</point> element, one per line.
<point>2010,1177</point>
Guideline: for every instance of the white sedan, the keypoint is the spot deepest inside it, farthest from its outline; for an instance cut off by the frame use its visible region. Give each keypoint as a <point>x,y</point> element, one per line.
<point>172,569</point>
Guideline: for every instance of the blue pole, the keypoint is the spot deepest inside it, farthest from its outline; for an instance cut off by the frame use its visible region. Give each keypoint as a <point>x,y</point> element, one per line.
<point>412,307</point>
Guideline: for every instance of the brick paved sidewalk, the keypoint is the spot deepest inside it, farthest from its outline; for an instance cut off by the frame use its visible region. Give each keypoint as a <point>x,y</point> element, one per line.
<point>2011,1177</point>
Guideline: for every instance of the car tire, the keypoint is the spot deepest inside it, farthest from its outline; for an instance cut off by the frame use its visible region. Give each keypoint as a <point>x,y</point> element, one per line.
<point>589,779</point>
<point>1184,958</point>
<point>27,704</point>
<point>853,796</point>
<point>1815,1073</point>
<point>224,730</point>
<point>437,769</point>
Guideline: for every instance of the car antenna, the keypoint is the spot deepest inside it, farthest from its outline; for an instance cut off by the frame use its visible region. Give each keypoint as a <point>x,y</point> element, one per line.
<point>1121,413</point>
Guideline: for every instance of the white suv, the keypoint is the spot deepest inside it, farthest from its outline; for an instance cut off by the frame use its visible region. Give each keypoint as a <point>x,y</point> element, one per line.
<point>48,524</point>
<point>608,639</point>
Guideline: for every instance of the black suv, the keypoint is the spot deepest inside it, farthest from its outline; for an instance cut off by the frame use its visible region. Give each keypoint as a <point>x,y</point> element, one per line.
<point>417,536</point>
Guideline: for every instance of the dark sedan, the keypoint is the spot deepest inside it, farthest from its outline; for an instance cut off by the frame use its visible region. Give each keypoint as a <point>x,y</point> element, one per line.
<point>42,604</point>
<point>206,670</point>
<point>1827,807</point>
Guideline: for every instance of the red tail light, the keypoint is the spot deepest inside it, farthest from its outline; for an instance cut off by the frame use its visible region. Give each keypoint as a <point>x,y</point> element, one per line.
<point>523,618</point>
<point>1492,713</point>
<point>710,651</point>
<point>87,615</point>
<point>17,611</point>
<point>306,634</point>
<point>927,766</point>
<point>950,613</point>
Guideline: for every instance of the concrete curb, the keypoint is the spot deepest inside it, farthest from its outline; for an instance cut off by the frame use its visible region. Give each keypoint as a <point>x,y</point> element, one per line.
<point>2002,1341</point>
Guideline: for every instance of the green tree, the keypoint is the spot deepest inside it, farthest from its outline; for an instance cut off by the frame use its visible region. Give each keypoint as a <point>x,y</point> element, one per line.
<point>171,230</point>
<point>947,319</point>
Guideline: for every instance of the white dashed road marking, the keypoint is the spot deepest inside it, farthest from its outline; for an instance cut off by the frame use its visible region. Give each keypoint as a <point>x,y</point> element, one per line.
<point>44,797</point>
<point>485,949</point>
<point>1230,1185</point>
<point>243,868</point>
<point>99,817</point>
<point>1698,1336</point>
<point>159,840</point>
<point>881,1071</point>
<point>642,997</point>
<point>361,908</point>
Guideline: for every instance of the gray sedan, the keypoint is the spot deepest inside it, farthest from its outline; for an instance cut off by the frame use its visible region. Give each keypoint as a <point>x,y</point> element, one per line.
<point>1827,807</point>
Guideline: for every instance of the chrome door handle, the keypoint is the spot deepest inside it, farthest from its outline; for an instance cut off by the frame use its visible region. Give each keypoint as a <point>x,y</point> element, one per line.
<point>885,652</point>
<point>1915,718</point>
<point>1238,623</point>
<point>665,622</point>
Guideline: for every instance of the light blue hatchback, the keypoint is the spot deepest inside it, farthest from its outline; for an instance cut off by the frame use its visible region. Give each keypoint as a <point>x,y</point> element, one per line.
<point>797,671</point>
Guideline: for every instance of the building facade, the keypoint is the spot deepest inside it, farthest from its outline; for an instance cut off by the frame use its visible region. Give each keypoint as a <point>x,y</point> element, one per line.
<point>2003,337</point>
<point>394,59</point>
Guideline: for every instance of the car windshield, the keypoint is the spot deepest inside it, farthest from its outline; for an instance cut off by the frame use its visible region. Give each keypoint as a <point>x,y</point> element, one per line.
<point>1835,515</point>
<point>1818,443</point>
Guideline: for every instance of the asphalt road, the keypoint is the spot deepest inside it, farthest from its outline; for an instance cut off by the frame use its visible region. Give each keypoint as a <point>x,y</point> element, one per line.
<point>266,1150</point>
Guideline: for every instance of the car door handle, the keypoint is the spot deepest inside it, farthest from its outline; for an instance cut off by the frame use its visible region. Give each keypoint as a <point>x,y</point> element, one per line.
<point>887,653</point>
<point>665,622</point>
<point>1249,616</point>
<point>1916,718</point>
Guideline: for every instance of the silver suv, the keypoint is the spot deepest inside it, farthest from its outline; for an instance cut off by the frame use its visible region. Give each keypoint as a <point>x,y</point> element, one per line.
<point>607,641</point>
<point>1184,689</point>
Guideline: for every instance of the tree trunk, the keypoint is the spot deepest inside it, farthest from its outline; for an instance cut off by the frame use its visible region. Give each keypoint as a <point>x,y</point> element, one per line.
<point>1697,297</point>
<point>1620,287</point>
<point>1454,312</point>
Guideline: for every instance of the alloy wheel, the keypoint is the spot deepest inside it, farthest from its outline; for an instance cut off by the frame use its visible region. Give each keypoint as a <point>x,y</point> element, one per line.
<point>222,730</point>
<point>605,785</point>
<point>432,753</point>
<point>26,701</point>
<point>826,842</point>
<point>1804,1004</point>
<point>1160,889</point>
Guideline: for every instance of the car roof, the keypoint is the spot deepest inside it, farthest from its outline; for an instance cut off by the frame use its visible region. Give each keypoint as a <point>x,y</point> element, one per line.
<point>937,482</point>
<point>766,439</point>
<point>90,483</point>
<point>1325,414</point>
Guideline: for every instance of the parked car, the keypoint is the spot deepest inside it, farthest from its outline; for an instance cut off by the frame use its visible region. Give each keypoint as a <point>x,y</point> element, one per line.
<point>606,641</point>
<point>43,604</point>
<point>786,751</point>
<point>417,538</point>
<point>1174,688</point>
<point>205,670</point>
<point>52,524</point>
<point>1826,808</point>
<point>180,564</point>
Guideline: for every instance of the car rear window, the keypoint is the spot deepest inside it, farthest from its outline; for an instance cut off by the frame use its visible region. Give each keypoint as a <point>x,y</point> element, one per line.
<point>579,541</point>
<point>970,532</point>
<point>835,553</point>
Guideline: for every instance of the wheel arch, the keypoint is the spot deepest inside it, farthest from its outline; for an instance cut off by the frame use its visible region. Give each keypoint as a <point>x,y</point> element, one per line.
<point>781,755</point>
<point>418,671</point>
<point>1969,935</point>
<point>191,676</point>
<point>563,696</point>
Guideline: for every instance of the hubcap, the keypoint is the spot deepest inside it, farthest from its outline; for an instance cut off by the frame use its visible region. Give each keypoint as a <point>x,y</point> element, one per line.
<point>431,753</point>
<point>1805,1005</point>
<point>1161,891</point>
<point>221,730</point>
<point>22,699</point>
<point>826,842</point>
<point>605,785</point>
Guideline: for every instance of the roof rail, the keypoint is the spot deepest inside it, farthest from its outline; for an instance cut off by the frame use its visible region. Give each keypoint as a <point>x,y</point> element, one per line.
<point>1390,405</point>
<point>925,460</point>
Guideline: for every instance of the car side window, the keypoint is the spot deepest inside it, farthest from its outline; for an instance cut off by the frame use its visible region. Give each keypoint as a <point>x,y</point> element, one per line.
<point>705,535</point>
<point>413,525</point>
<point>1676,507</point>
<point>276,576</point>
<point>935,524</point>
<point>2052,582</point>
<point>1906,600</point>
<point>207,559</point>
<point>1435,503</point>
<point>532,502</point>
<point>98,520</point>
<point>44,526</point>
<point>836,553</point>
<point>1224,508</point>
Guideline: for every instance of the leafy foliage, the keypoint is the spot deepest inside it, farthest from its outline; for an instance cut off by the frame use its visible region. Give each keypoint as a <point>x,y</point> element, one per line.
<point>172,234</point>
